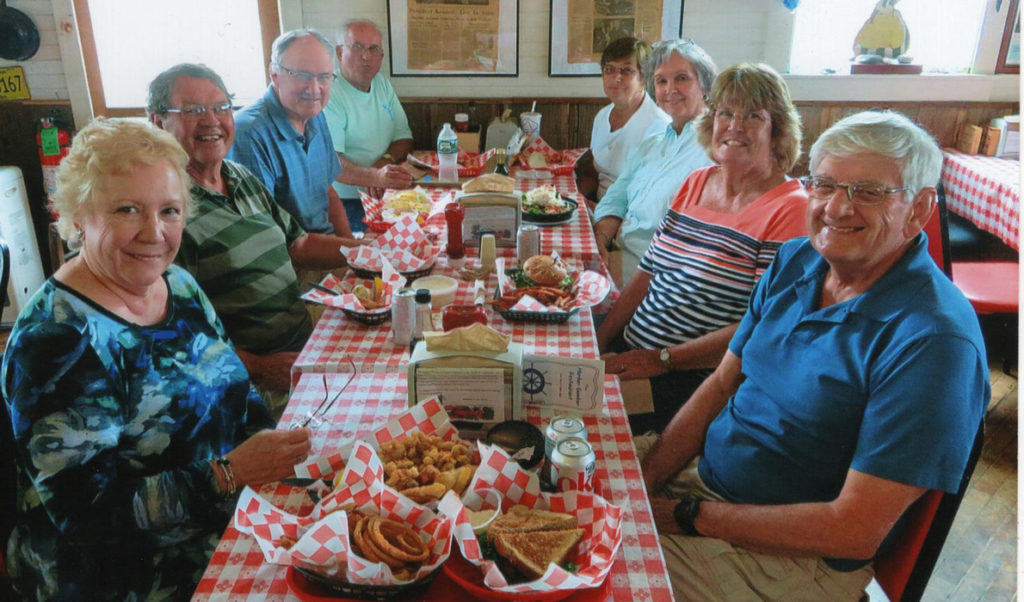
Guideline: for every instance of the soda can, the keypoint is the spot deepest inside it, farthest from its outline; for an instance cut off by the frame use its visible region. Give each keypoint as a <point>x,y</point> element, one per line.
<point>527,242</point>
<point>572,465</point>
<point>562,427</point>
<point>403,316</point>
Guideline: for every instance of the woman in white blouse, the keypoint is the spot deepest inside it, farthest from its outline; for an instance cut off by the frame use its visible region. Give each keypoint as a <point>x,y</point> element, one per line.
<point>620,126</point>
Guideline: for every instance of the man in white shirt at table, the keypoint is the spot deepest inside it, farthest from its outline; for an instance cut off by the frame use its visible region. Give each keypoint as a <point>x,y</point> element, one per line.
<point>368,125</point>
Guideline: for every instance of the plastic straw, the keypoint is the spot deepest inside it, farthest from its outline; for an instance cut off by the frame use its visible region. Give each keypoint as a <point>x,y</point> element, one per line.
<point>533,109</point>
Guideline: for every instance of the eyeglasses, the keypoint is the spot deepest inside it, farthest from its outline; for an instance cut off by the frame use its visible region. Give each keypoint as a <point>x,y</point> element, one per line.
<point>324,79</point>
<point>861,193</point>
<point>317,417</point>
<point>198,111</point>
<point>749,118</point>
<point>623,71</point>
<point>359,49</point>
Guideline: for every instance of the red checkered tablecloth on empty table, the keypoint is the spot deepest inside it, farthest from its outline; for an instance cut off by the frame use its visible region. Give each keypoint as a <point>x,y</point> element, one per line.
<point>985,190</point>
<point>338,337</point>
<point>237,570</point>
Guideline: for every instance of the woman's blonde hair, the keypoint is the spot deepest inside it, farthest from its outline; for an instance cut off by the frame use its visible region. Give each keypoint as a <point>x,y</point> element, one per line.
<point>752,86</point>
<point>105,148</point>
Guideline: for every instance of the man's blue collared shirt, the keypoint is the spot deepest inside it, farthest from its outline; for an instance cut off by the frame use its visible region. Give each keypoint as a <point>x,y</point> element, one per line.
<point>297,168</point>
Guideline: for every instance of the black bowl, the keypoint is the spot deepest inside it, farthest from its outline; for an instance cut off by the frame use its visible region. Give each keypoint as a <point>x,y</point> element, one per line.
<point>549,218</point>
<point>515,436</point>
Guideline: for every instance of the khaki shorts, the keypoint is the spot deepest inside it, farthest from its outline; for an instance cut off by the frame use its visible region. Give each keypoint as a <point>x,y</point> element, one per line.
<point>705,569</point>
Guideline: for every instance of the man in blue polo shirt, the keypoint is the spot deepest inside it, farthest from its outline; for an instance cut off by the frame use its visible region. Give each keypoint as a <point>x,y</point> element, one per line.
<point>283,138</point>
<point>855,382</point>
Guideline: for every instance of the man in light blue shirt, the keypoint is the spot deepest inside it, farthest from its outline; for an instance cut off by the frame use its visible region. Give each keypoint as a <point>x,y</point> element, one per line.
<point>368,125</point>
<point>283,138</point>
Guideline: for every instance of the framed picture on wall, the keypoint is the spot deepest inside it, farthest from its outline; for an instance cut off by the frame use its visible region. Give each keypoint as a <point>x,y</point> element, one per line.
<point>1009,50</point>
<point>581,29</point>
<point>454,37</point>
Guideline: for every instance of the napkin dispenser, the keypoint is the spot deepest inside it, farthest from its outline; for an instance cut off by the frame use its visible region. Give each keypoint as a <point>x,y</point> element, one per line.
<point>478,389</point>
<point>494,213</point>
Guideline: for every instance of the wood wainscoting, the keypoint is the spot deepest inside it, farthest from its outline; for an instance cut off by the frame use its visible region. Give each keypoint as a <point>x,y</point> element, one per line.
<point>566,122</point>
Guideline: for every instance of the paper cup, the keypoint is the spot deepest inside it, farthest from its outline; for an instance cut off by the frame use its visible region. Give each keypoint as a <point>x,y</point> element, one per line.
<point>530,124</point>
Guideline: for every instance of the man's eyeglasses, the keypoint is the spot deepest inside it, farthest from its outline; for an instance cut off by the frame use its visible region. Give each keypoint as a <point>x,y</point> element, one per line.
<point>324,79</point>
<point>861,193</point>
<point>198,111</point>
<point>748,118</point>
<point>359,49</point>
<point>623,71</point>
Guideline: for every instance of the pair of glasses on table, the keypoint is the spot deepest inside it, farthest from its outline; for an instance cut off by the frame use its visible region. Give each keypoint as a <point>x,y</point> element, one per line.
<point>318,416</point>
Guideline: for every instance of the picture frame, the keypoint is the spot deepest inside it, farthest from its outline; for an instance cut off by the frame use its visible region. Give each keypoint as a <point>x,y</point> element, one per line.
<point>437,38</point>
<point>1009,49</point>
<point>577,39</point>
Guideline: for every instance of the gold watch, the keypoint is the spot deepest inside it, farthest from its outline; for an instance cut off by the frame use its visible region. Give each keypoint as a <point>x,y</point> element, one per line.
<point>666,358</point>
<point>387,157</point>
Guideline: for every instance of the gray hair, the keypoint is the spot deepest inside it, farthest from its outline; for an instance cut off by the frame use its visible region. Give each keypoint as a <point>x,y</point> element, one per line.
<point>698,58</point>
<point>286,39</point>
<point>888,134</point>
<point>357,21</point>
<point>158,99</point>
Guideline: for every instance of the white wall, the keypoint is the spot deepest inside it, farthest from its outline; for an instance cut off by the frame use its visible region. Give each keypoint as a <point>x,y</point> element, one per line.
<point>730,30</point>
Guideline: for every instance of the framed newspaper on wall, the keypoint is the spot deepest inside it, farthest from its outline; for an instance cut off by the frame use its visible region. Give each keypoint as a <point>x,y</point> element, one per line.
<point>581,29</point>
<point>454,37</point>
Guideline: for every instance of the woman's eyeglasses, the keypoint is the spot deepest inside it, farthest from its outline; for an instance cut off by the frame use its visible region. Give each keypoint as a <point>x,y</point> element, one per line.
<point>748,118</point>
<point>623,71</point>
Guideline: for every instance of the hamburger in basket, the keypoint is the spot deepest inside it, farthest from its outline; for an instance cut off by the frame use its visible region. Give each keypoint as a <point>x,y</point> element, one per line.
<point>546,284</point>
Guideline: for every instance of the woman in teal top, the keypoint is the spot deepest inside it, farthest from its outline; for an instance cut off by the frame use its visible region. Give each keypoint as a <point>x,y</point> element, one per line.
<point>134,421</point>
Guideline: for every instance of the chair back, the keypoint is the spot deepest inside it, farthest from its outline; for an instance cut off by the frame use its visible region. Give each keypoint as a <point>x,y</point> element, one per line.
<point>8,502</point>
<point>904,569</point>
<point>937,230</point>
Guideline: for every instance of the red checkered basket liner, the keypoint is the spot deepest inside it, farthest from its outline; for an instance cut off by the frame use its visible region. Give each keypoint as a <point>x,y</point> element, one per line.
<point>470,164</point>
<point>600,520</point>
<point>405,245</point>
<point>559,163</point>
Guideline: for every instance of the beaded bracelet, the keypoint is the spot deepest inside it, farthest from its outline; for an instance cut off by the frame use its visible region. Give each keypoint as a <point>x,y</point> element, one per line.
<point>229,475</point>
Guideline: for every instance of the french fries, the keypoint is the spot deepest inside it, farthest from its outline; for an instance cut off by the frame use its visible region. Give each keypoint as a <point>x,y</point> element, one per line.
<point>548,295</point>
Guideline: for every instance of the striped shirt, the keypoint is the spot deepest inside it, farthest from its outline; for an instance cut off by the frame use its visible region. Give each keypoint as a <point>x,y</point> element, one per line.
<point>236,246</point>
<point>704,263</point>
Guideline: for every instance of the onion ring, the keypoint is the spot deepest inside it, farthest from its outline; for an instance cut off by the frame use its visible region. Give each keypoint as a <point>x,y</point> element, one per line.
<point>403,543</point>
<point>379,551</point>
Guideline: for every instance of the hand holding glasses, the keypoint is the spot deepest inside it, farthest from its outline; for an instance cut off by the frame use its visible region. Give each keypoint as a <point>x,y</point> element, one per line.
<point>316,417</point>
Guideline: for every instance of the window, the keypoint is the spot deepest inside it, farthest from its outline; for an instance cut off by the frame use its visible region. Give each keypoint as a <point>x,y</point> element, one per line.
<point>126,43</point>
<point>943,33</point>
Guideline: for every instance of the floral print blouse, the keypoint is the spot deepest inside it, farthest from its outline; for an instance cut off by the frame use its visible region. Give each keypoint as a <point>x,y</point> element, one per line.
<point>114,427</point>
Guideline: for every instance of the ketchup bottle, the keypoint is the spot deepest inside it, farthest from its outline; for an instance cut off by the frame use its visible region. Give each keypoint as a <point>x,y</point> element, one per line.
<point>453,215</point>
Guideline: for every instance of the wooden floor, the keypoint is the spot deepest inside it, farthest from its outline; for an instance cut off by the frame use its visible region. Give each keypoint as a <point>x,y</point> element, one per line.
<point>979,560</point>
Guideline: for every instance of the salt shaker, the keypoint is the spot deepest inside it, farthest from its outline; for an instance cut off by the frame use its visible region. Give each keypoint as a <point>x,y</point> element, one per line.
<point>487,251</point>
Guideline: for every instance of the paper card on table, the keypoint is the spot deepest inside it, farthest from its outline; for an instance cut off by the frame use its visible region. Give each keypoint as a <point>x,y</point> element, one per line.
<point>565,382</point>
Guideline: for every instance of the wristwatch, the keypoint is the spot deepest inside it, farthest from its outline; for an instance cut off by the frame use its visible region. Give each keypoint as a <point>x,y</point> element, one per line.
<point>666,358</point>
<point>686,512</point>
<point>387,157</point>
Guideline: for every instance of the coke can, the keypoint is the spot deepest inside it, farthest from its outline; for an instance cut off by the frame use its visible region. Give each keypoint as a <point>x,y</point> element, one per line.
<point>527,242</point>
<point>562,427</point>
<point>572,465</point>
<point>403,316</point>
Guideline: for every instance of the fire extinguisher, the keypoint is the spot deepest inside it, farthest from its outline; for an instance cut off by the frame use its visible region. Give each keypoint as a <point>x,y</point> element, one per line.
<point>54,144</point>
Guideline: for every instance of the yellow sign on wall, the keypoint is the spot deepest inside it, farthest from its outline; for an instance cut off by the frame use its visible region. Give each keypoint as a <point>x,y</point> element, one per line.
<point>13,85</point>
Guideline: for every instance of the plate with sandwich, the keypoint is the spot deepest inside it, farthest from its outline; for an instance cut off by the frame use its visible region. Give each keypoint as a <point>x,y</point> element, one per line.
<point>545,546</point>
<point>544,206</point>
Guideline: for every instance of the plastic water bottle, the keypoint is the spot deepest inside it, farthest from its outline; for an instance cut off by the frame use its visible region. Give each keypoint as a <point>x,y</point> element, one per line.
<point>448,154</point>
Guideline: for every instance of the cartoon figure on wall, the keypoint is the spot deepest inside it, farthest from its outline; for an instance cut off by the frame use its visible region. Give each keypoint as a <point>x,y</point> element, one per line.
<point>883,35</point>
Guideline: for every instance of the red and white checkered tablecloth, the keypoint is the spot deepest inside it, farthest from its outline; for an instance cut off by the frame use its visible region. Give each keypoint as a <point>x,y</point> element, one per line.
<point>338,337</point>
<point>985,190</point>
<point>237,570</point>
